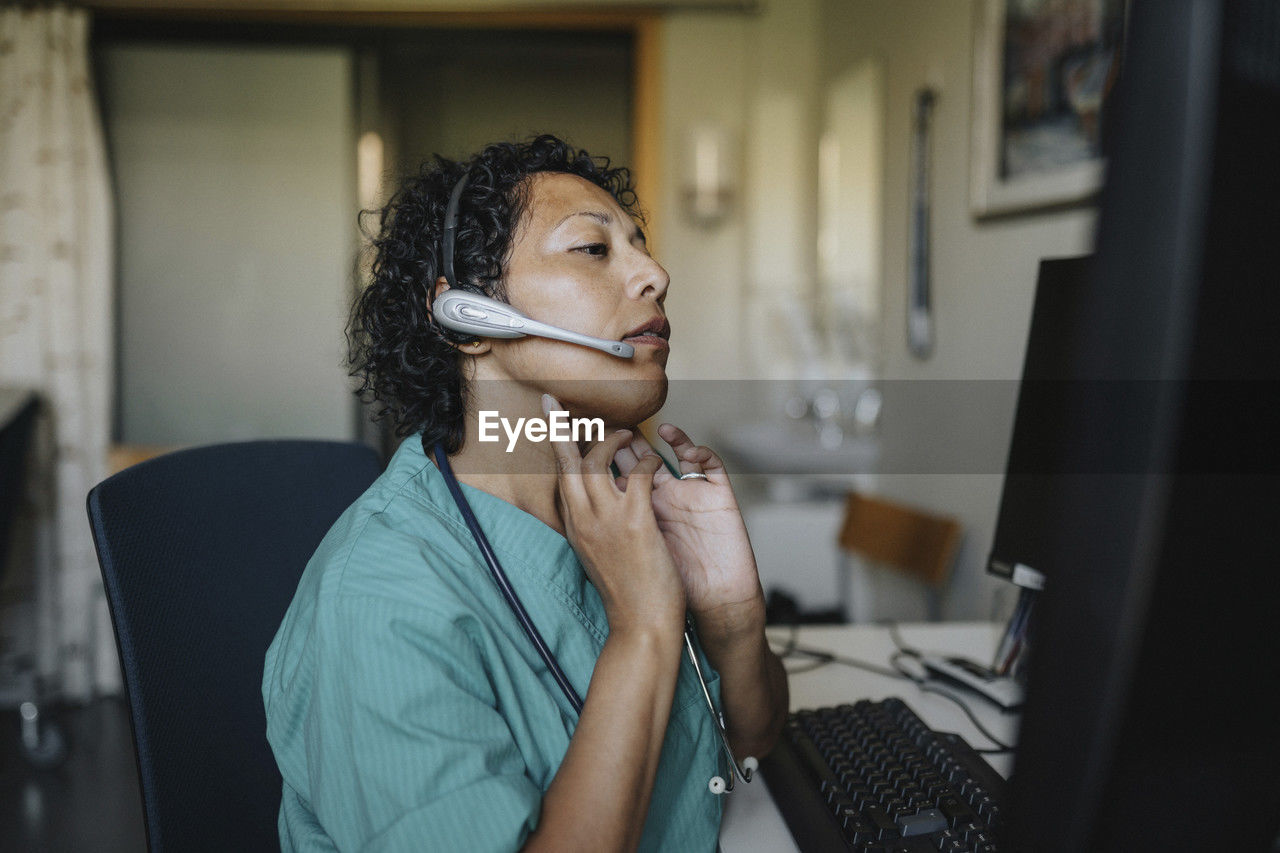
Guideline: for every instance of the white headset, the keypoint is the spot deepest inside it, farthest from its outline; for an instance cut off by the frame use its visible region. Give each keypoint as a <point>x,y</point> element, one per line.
<point>474,314</point>
<point>479,315</point>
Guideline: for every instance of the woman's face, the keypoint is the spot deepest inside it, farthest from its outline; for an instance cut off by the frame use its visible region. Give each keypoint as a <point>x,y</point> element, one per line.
<point>578,261</point>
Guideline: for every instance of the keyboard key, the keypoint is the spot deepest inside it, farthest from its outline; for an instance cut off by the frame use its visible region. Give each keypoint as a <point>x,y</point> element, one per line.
<point>894,807</point>
<point>838,802</point>
<point>955,810</point>
<point>943,838</point>
<point>859,832</point>
<point>851,819</point>
<point>921,823</point>
<point>884,825</point>
<point>909,791</point>
<point>984,807</point>
<point>933,786</point>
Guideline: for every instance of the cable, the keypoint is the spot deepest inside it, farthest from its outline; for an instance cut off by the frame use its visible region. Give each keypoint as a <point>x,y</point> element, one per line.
<point>829,657</point>
<point>898,641</point>
<point>792,636</point>
<point>803,668</point>
<point>923,684</point>
<point>823,657</point>
<point>789,651</point>
<point>897,672</point>
<point>1001,746</point>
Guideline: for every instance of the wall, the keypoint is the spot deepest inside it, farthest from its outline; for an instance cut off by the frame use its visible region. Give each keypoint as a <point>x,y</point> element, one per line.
<point>775,79</point>
<point>983,272</point>
<point>733,353</point>
<point>452,92</point>
<point>756,75</point>
<point>235,191</point>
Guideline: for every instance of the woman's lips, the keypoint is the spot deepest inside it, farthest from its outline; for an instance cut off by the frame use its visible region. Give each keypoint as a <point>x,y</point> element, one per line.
<point>648,340</point>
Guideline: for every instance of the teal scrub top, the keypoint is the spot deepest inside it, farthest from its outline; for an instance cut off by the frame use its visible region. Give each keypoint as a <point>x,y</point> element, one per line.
<point>408,710</point>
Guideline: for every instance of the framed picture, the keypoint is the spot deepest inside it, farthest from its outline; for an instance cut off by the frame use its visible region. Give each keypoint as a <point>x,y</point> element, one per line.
<point>1043,74</point>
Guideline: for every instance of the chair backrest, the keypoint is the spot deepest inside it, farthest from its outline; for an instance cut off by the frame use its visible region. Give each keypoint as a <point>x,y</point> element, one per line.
<point>201,552</point>
<point>915,543</point>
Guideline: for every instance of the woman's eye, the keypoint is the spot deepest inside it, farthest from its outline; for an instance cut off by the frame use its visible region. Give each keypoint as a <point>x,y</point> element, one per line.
<point>597,249</point>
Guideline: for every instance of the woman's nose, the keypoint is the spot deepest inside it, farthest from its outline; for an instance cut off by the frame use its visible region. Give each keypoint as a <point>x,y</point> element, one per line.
<point>650,279</point>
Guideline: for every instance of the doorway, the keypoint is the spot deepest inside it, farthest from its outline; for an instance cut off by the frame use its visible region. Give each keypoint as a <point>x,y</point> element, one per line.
<point>238,184</point>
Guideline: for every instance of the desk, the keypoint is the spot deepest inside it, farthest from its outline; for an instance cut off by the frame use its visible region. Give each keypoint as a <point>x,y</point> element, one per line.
<point>752,821</point>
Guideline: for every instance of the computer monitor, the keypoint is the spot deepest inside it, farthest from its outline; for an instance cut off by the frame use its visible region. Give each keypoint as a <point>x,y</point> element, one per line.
<point>1153,715</point>
<point>1040,446</point>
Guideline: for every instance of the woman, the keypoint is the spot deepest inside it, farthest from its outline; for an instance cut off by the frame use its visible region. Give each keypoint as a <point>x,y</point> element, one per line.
<point>406,706</point>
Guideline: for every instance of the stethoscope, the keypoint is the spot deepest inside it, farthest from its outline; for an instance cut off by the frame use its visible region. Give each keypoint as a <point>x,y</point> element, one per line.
<point>717,784</point>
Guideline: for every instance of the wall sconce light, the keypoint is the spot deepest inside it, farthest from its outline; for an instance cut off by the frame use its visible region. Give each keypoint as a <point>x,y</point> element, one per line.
<point>369,164</point>
<point>708,174</point>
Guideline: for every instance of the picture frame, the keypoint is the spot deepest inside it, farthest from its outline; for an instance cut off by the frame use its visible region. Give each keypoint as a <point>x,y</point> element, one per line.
<point>1043,74</point>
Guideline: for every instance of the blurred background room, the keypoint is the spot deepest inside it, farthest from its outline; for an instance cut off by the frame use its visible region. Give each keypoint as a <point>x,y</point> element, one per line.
<point>851,197</point>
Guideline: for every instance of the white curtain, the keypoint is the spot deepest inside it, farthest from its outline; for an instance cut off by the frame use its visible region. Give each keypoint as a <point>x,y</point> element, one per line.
<point>56,282</point>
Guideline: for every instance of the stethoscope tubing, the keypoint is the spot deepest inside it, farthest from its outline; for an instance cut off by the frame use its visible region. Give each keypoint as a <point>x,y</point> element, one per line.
<point>504,584</point>
<point>743,772</point>
<point>739,771</point>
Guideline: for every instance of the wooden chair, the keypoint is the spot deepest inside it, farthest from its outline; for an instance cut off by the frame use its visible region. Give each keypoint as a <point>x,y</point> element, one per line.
<point>884,536</point>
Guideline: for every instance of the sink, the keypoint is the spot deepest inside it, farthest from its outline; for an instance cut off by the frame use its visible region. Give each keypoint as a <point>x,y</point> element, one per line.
<point>798,449</point>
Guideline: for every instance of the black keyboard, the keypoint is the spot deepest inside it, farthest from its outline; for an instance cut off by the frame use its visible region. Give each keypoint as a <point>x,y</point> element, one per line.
<point>874,777</point>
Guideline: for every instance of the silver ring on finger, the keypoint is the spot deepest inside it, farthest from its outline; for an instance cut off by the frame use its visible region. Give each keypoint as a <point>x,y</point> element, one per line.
<point>693,475</point>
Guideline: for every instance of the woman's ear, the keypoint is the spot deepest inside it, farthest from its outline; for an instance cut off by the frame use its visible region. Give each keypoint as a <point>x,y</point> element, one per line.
<point>478,346</point>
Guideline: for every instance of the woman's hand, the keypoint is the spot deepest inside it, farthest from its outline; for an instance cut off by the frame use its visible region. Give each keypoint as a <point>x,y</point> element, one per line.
<point>702,525</point>
<point>616,536</point>
<point>599,798</point>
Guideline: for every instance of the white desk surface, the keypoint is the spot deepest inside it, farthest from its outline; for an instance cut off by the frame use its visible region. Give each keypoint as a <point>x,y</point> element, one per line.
<point>752,821</point>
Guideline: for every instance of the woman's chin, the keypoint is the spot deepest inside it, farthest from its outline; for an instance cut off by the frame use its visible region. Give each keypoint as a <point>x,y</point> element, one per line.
<point>620,403</point>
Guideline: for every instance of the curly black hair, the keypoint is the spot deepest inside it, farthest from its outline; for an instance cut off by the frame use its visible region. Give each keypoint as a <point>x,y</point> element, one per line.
<point>404,360</point>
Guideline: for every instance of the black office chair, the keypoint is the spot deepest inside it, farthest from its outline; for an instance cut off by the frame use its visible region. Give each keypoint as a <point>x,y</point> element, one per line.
<point>201,551</point>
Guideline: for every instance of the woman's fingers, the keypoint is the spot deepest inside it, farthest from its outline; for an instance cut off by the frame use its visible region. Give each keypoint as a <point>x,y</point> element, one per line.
<point>641,448</point>
<point>626,457</point>
<point>568,461</point>
<point>640,480</point>
<point>692,457</point>
<point>596,476</point>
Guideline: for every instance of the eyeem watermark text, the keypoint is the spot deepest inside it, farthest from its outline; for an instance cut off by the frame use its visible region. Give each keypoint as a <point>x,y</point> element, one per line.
<point>558,426</point>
